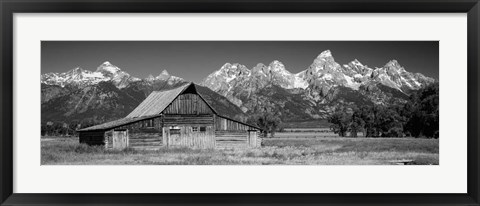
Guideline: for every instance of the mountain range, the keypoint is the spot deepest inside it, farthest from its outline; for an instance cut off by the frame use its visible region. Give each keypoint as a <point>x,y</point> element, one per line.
<point>109,93</point>
<point>316,91</point>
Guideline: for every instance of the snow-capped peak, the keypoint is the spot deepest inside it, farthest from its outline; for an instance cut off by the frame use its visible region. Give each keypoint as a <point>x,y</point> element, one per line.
<point>325,54</point>
<point>107,67</point>
<point>76,71</point>
<point>165,73</point>
<point>392,63</point>
<point>163,76</point>
<point>81,77</point>
<point>357,63</point>
<point>277,66</point>
<point>107,63</point>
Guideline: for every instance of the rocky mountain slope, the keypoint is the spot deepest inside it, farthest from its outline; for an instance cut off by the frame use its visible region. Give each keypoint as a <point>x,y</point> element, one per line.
<point>109,93</point>
<point>86,97</point>
<point>105,94</point>
<point>316,91</point>
<point>106,72</point>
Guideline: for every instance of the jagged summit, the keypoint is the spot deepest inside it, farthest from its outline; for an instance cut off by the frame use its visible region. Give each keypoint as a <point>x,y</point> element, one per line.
<point>323,73</point>
<point>324,57</point>
<point>80,77</point>
<point>165,73</point>
<point>356,62</point>
<point>313,93</point>
<point>108,68</point>
<point>325,54</point>
<point>106,63</point>
<point>392,62</point>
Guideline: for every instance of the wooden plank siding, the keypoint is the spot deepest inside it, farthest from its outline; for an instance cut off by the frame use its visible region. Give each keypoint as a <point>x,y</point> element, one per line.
<point>186,137</point>
<point>171,120</point>
<point>152,125</point>
<point>188,104</point>
<point>177,117</point>
<point>145,141</point>
<point>224,124</point>
<point>231,139</point>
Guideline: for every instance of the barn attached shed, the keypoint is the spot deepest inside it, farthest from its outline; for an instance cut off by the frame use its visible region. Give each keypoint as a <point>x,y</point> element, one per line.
<point>179,117</point>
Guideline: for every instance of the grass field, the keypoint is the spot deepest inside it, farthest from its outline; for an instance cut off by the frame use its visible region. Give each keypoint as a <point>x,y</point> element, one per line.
<point>290,151</point>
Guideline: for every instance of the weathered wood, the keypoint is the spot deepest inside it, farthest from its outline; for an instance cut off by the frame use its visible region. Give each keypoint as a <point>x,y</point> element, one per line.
<point>173,117</point>
<point>151,125</point>
<point>224,124</point>
<point>191,120</point>
<point>186,137</point>
<point>139,140</point>
<point>253,139</point>
<point>188,104</point>
<point>120,139</point>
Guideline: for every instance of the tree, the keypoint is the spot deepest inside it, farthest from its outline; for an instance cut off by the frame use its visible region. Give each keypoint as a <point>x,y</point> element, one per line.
<point>356,123</point>
<point>369,116</point>
<point>267,118</point>
<point>340,121</point>
<point>390,123</point>
<point>424,112</point>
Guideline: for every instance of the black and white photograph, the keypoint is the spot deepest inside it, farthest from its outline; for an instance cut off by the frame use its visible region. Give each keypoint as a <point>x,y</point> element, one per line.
<point>240,103</point>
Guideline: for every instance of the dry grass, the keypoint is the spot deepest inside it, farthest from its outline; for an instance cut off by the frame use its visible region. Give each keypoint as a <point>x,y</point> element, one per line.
<point>311,151</point>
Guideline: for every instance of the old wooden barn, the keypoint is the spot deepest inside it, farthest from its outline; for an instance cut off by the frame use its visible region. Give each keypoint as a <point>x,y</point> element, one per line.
<point>179,117</point>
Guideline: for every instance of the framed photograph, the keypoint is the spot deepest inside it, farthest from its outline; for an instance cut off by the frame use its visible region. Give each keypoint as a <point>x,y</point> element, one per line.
<point>245,103</point>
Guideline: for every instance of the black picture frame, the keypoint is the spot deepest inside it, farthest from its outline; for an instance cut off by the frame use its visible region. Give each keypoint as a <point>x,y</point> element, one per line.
<point>10,7</point>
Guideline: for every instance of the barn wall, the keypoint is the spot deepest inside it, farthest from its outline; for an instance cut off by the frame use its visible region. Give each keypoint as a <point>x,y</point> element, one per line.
<point>231,139</point>
<point>188,104</point>
<point>223,124</point>
<point>237,139</point>
<point>92,137</point>
<point>172,120</point>
<point>232,134</point>
<point>138,140</point>
<point>185,136</point>
<point>153,125</point>
<point>109,139</point>
<point>145,134</point>
<point>145,140</point>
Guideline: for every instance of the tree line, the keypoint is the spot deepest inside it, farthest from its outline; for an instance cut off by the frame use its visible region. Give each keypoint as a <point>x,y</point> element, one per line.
<point>58,128</point>
<point>418,117</point>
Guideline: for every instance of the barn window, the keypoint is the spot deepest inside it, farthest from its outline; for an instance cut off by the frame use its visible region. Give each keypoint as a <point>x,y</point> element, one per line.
<point>203,129</point>
<point>195,129</point>
<point>174,130</point>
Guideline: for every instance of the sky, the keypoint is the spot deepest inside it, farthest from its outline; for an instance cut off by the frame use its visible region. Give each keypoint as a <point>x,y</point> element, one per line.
<point>195,60</point>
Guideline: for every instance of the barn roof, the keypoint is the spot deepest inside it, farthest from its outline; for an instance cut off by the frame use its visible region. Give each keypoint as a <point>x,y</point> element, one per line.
<point>116,123</point>
<point>158,101</point>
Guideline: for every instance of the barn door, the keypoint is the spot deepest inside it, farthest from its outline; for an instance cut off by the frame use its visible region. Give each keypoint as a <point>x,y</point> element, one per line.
<point>174,136</point>
<point>120,139</point>
<point>252,138</point>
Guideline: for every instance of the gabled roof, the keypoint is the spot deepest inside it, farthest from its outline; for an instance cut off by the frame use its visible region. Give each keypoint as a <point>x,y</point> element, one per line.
<point>154,105</point>
<point>156,102</point>
<point>116,123</point>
